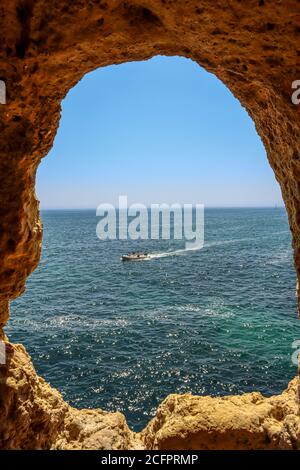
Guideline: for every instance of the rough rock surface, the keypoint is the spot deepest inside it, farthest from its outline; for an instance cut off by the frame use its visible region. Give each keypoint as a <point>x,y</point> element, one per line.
<point>248,421</point>
<point>35,416</point>
<point>46,47</point>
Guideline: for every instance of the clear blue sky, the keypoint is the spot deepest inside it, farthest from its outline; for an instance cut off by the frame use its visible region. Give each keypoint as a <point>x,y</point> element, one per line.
<point>158,131</point>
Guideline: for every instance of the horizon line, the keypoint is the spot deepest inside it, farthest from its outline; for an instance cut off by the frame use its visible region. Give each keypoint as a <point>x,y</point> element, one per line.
<point>274,206</point>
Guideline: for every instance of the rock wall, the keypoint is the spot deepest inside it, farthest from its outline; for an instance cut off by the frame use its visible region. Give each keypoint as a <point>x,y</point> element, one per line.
<point>35,416</point>
<point>46,47</point>
<point>248,421</point>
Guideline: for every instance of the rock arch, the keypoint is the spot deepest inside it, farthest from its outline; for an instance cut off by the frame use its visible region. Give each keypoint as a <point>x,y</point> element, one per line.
<point>46,47</point>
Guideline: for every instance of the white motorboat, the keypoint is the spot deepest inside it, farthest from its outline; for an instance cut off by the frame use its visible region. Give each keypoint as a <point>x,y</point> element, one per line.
<point>135,257</point>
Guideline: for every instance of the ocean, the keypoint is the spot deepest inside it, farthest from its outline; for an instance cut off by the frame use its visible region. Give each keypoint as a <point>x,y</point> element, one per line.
<point>122,336</point>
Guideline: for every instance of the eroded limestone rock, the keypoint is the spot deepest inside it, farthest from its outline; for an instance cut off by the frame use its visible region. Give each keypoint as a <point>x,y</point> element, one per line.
<point>35,416</point>
<point>248,421</point>
<point>46,48</point>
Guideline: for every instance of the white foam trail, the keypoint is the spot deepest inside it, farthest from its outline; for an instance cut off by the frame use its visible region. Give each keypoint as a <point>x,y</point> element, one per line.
<point>165,254</point>
<point>208,245</point>
<point>171,253</point>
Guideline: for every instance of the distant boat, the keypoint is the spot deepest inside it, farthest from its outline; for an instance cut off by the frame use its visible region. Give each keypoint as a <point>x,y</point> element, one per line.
<point>135,257</point>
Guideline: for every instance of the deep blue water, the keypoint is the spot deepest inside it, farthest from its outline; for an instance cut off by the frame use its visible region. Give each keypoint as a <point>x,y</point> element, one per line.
<point>122,336</point>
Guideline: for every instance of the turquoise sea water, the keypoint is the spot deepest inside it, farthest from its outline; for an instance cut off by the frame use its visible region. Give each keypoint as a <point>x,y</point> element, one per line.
<point>122,336</point>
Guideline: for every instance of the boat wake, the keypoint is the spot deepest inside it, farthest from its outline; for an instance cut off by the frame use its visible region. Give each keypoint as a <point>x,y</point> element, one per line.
<point>166,254</point>
<point>195,247</point>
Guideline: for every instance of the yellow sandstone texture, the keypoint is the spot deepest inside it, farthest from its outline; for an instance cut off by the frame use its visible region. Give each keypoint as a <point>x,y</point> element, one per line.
<point>46,48</point>
<point>35,416</point>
